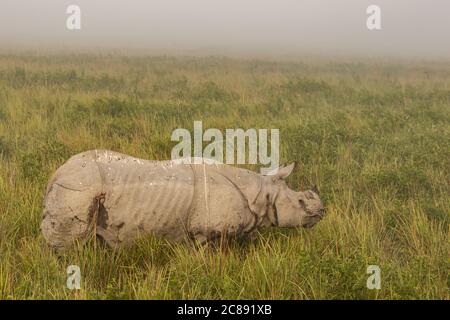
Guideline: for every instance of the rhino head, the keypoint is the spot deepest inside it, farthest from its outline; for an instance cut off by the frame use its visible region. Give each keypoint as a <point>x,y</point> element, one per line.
<point>290,208</point>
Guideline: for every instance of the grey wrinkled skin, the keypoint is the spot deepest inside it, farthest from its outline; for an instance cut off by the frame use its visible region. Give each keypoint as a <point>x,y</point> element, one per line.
<point>118,198</point>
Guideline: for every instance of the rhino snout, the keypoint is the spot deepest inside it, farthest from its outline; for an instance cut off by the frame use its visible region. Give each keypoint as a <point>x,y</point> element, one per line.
<point>310,220</point>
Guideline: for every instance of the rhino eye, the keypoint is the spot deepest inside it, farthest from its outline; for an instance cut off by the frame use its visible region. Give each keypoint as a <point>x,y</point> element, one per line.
<point>302,203</point>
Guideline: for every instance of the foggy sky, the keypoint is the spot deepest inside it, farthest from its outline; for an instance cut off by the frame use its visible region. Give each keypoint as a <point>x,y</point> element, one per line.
<point>409,27</point>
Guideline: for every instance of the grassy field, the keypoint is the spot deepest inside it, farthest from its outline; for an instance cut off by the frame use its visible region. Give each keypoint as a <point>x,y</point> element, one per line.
<point>374,136</point>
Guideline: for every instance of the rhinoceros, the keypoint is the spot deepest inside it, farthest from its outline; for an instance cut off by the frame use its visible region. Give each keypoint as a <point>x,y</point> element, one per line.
<point>118,198</point>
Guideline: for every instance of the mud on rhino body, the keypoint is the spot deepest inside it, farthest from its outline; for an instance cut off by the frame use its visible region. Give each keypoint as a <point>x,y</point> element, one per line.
<point>118,198</point>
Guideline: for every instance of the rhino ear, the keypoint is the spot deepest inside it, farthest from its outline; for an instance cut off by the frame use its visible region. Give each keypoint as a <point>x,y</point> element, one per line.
<point>282,172</point>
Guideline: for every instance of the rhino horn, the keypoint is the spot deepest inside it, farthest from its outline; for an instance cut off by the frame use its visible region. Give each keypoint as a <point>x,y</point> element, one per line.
<point>315,190</point>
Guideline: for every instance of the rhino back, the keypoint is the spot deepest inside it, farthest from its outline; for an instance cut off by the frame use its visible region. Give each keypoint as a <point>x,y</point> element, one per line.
<point>143,197</point>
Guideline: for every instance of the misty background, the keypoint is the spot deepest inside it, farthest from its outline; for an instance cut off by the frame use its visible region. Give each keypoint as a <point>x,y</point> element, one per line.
<point>330,27</point>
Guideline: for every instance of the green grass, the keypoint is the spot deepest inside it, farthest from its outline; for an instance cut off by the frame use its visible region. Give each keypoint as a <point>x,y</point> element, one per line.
<point>374,136</point>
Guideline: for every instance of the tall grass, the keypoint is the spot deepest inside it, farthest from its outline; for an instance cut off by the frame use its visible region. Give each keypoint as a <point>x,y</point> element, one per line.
<point>374,136</point>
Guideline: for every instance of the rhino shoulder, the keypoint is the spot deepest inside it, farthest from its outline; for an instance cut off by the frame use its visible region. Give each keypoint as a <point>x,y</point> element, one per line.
<point>79,173</point>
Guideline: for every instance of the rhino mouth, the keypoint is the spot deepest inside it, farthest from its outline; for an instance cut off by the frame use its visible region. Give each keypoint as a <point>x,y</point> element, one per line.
<point>312,219</point>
